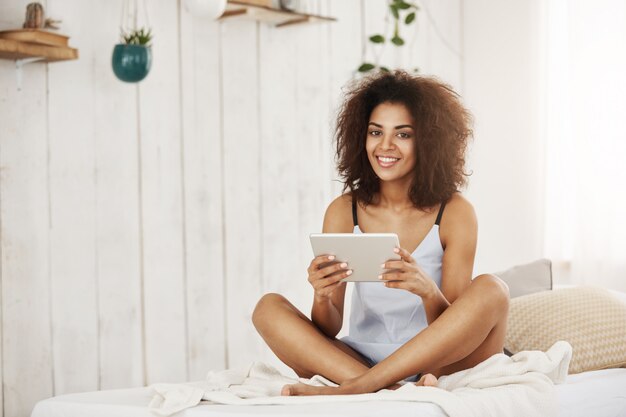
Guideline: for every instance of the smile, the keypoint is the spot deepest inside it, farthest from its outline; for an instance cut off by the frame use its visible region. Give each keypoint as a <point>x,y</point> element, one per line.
<point>386,161</point>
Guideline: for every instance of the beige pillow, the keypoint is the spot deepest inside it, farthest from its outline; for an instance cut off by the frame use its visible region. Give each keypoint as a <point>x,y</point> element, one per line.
<point>528,278</point>
<point>591,319</point>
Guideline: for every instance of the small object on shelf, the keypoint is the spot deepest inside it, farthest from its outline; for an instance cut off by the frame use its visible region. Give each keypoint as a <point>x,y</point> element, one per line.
<point>34,16</point>
<point>132,59</point>
<point>271,15</point>
<point>38,36</point>
<point>291,5</point>
<point>205,8</point>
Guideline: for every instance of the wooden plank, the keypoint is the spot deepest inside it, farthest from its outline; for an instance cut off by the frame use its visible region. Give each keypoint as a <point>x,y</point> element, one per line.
<point>279,164</point>
<point>314,156</point>
<point>26,375</point>
<point>201,118</point>
<point>72,212</point>
<point>12,49</point>
<point>378,21</point>
<point>35,36</point>
<point>118,257</point>
<point>242,184</point>
<point>161,200</point>
<point>345,46</point>
<point>272,16</point>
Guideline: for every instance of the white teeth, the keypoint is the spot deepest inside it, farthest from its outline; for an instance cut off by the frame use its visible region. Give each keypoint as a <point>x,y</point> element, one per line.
<point>387,160</point>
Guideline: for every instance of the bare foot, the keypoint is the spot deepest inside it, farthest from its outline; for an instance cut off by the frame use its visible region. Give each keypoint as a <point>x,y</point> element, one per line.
<point>353,386</point>
<point>304,389</point>
<point>427,380</point>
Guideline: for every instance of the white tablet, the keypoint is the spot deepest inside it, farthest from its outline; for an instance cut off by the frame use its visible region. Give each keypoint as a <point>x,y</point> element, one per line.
<point>363,252</point>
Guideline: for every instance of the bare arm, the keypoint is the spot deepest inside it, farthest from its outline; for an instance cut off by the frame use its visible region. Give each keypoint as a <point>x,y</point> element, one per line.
<point>327,311</point>
<point>459,232</point>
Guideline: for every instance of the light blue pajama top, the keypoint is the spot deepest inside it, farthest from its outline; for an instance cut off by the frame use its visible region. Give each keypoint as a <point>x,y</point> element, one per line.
<point>383,319</point>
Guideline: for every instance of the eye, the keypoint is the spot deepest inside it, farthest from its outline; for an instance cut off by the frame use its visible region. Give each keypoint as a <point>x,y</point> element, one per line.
<point>404,135</point>
<point>375,132</point>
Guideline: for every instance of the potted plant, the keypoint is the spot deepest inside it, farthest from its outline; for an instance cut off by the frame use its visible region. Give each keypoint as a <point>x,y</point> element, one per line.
<point>132,58</point>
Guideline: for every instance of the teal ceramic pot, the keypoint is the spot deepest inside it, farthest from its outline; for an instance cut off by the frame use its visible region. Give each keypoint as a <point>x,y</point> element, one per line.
<point>131,63</point>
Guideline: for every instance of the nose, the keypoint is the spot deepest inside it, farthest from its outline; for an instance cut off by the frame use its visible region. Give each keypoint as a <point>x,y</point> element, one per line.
<point>387,142</point>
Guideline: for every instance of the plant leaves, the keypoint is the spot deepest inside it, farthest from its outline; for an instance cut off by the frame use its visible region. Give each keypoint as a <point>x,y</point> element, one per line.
<point>409,18</point>
<point>366,67</point>
<point>384,69</point>
<point>394,11</point>
<point>397,40</point>
<point>377,39</point>
<point>402,5</point>
<point>141,36</point>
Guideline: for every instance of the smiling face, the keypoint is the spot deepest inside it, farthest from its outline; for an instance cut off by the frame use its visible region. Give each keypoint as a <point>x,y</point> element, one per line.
<point>390,142</point>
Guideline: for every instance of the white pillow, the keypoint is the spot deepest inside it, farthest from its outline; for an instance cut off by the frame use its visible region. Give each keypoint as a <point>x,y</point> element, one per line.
<point>528,278</point>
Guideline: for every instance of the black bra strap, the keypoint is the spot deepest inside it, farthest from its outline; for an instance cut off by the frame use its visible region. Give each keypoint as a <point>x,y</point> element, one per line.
<point>354,219</point>
<point>440,213</point>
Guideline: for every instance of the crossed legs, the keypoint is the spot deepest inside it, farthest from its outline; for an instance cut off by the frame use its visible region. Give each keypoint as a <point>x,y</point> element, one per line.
<point>299,344</point>
<point>470,330</point>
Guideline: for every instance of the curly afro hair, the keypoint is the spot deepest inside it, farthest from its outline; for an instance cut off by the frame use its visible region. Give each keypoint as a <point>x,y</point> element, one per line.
<point>442,131</point>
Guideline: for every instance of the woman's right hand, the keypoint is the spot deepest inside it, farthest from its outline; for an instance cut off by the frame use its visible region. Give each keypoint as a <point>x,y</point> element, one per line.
<point>326,278</point>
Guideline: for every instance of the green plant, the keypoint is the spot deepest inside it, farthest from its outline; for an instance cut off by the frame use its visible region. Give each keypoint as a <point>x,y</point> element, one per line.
<point>400,10</point>
<point>137,37</point>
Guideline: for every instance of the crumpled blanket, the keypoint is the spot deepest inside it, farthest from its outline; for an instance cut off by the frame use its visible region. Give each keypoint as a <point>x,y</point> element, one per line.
<point>501,386</point>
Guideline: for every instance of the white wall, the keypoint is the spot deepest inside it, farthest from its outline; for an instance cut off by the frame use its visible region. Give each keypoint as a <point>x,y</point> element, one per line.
<point>502,59</point>
<point>140,224</point>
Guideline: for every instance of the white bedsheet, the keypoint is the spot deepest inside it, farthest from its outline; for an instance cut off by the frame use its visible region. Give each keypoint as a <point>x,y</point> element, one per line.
<point>590,394</point>
<point>519,386</point>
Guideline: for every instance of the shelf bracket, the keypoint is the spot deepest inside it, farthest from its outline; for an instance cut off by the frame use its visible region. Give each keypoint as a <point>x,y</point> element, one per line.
<point>19,63</point>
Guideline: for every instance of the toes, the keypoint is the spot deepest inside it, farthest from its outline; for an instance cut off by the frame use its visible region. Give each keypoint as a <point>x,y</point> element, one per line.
<point>428,380</point>
<point>287,391</point>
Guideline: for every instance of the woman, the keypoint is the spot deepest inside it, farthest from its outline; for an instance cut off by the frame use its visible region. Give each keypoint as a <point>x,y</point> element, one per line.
<point>401,143</point>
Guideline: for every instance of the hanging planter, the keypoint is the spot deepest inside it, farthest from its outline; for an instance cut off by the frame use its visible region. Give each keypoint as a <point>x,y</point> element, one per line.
<point>132,58</point>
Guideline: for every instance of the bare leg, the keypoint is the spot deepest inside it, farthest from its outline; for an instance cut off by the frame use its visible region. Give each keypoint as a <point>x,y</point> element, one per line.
<point>301,345</point>
<point>470,331</point>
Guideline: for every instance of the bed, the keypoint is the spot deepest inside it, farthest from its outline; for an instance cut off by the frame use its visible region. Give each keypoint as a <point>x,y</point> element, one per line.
<point>597,394</point>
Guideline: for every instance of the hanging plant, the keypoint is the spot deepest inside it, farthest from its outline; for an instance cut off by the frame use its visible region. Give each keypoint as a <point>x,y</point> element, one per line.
<point>400,11</point>
<point>132,57</point>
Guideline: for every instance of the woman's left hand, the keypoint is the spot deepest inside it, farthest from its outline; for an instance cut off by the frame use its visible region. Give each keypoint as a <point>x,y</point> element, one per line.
<point>407,275</point>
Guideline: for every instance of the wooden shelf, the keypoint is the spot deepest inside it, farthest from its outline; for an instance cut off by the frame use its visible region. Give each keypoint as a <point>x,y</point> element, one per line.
<point>16,50</point>
<point>276,17</point>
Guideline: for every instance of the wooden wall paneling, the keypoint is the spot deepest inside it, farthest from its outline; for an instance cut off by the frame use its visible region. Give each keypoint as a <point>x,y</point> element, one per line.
<point>202,138</point>
<point>345,48</point>
<point>345,41</point>
<point>328,111</point>
<point>118,253</point>
<point>312,67</point>
<point>72,208</point>
<point>242,185</point>
<point>378,21</point>
<point>280,135</point>
<point>26,342</point>
<point>162,203</point>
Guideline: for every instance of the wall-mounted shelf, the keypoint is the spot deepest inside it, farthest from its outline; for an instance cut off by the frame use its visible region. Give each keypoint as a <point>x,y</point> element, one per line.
<point>12,49</point>
<point>276,17</point>
<point>25,52</point>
